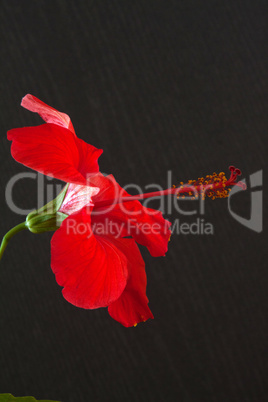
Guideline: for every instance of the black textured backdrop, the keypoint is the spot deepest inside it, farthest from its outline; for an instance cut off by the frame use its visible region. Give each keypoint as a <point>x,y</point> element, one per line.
<point>179,85</point>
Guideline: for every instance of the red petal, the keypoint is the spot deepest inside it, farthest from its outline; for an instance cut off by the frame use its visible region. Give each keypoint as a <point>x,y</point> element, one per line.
<point>55,152</point>
<point>91,269</point>
<point>77,197</point>
<point>147,226</point>
<point>132,306</point>
<point>48,113</point>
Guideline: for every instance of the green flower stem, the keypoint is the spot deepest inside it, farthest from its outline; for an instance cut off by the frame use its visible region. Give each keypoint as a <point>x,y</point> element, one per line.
<point>10,234</point>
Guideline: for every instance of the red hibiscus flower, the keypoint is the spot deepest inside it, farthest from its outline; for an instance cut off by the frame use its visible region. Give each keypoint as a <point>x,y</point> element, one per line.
<point>94,252</point>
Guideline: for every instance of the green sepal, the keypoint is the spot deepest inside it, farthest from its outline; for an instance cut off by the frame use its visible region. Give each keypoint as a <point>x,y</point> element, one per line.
<point>45,222</point>
<point>47,218</point>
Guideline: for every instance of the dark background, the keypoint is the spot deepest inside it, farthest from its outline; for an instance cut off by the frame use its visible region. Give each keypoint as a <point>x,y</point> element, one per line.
<point>176,85</point>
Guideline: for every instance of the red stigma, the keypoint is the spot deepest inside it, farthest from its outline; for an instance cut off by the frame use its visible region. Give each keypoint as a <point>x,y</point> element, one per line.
<point>214,186</point>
